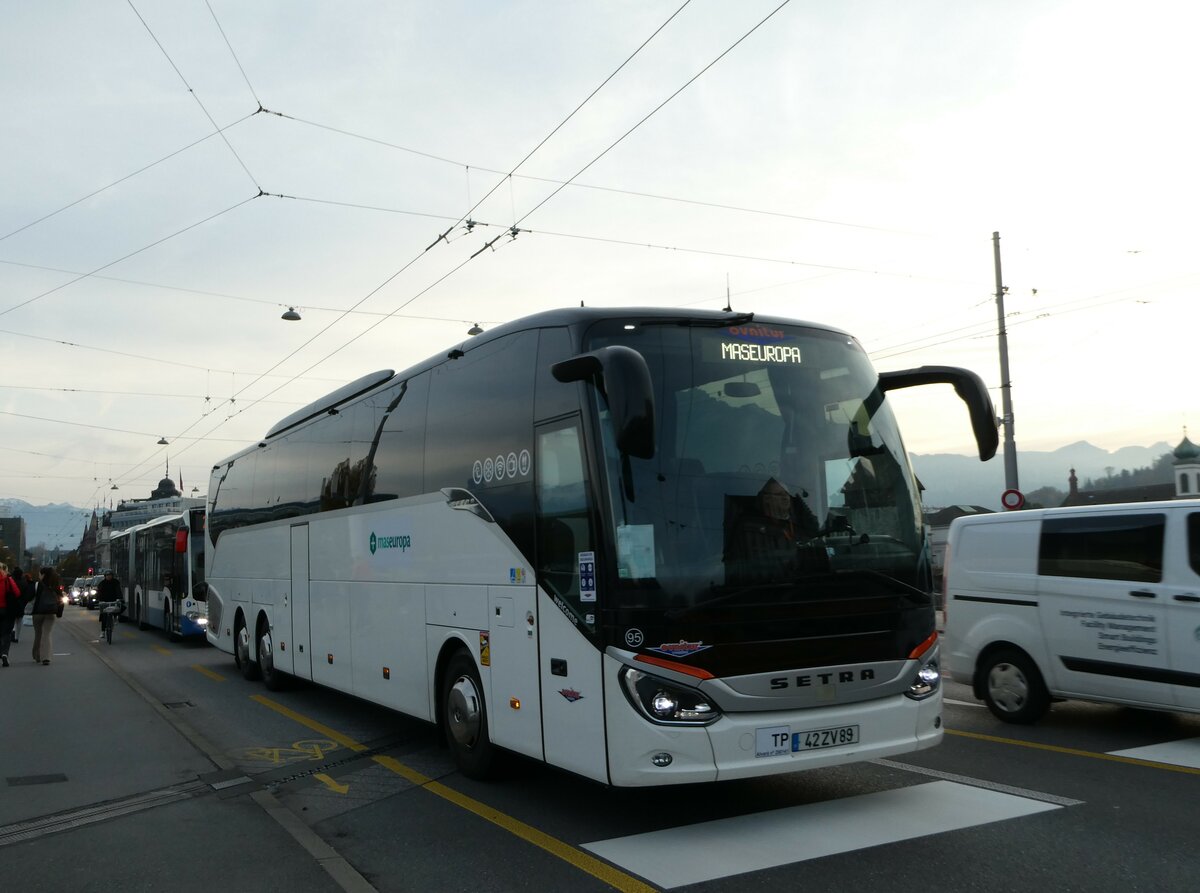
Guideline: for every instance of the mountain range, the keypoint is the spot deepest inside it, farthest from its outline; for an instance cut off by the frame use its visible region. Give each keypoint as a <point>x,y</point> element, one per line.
<point>964,480</point>
<point>57,525</point>
<point>948,480</point>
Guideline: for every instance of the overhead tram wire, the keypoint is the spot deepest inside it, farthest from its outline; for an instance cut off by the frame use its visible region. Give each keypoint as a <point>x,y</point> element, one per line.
<point>539,205</point>
<point>128,176</point>
<point>18,387</point>
<point>236,60</point>
<point>458,221</point>
<point>194,95</point>
<point>232,297</point>
<point>657,109</point>
<point>153,244</point>
<point>137,356</point>
<point>463,218</point>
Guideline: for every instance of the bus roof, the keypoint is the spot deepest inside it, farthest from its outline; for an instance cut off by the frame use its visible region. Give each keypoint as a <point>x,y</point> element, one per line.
<point>562,317</point>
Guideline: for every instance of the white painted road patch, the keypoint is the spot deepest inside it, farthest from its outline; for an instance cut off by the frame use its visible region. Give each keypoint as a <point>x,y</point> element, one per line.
<point>1174,753</point>
<point>692,854</point>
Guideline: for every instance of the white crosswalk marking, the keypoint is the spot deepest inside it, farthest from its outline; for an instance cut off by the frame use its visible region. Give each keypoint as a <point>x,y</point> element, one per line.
<point>1175,753</point>
<point>736,845</point>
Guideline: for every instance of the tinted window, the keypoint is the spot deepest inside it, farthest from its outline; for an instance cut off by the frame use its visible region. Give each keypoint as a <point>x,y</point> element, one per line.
<point>479,434</point>
<point>1103,547</point>
<point>564,521</point>
<point>398,462</point>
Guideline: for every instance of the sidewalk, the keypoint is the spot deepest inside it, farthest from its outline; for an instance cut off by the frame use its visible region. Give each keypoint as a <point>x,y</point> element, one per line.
<point>128,792</point>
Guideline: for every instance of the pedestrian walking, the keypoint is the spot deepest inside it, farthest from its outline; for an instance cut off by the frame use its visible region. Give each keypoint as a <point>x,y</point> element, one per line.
<point>10,610</point>
<point>47,607</point>
<point>25,581</point>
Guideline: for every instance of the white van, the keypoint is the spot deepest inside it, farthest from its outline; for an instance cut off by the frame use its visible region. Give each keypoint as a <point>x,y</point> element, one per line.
<point>1100,603</point>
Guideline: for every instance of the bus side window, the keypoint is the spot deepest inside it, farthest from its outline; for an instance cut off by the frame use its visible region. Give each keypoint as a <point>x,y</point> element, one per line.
<point>564,518</point>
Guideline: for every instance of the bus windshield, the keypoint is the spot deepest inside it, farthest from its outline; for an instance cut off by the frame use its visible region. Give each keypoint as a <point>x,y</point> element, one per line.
<point>778,477</point>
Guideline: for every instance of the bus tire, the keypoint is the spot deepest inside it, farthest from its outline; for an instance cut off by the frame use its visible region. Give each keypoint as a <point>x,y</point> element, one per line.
<point>274,678</point>
<point>169,622</point>
<point>140,615</point>
<point>241,651</point>
<point>1013,688</point>
<point>464,718</point>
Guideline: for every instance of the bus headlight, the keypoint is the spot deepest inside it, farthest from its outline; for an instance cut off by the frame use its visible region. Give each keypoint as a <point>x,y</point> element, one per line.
<point>666,703</point>
<point>928,681</point>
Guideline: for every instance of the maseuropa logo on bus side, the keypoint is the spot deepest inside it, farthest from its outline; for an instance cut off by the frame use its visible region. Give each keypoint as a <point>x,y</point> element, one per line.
<point>403,543</point>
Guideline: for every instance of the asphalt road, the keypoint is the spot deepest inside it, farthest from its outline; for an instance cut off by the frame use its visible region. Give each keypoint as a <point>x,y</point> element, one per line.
<point>148,765</point>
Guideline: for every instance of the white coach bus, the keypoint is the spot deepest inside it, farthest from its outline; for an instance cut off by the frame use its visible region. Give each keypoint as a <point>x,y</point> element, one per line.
<point>646,546</point>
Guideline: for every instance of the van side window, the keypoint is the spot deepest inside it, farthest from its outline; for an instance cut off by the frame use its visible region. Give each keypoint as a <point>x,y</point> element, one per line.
<point>1103,547</point>
<point>1193,533</point>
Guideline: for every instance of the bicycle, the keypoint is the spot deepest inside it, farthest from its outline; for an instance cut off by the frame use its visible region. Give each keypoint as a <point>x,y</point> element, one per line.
<point>109,612</point>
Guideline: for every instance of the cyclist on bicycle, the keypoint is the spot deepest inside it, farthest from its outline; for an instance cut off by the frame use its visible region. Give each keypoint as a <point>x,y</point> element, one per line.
<point>109,590</point>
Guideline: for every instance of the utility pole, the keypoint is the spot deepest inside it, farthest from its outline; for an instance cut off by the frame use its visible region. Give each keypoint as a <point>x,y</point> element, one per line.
<point>1010,445</point>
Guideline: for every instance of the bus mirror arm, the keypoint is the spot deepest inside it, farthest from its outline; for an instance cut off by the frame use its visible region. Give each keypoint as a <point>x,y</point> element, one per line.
<point>625,380</point>
<point>968,386</point>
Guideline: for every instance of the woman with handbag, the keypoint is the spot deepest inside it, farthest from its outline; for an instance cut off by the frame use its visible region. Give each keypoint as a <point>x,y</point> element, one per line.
<point>47,607</point>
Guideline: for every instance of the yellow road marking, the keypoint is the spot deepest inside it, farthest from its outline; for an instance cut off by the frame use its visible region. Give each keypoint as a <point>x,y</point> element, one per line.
<point>160,649</point>
<point>331,784</point>
<point>320,728</point>
<point>1076,752</point>
<point>598,869</point>
<point>205,671</point>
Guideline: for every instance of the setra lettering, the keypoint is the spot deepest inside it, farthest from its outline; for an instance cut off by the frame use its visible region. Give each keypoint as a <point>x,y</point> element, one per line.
<point>811,679</point>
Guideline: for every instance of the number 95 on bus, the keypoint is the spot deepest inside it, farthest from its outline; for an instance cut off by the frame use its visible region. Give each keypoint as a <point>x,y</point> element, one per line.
<point>779,740</point>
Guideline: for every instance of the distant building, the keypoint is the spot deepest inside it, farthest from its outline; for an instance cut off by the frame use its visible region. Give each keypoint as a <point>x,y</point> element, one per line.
<point>12,538</point>
<point>87,543</point>
<point>938,525</point>
<point>1187,469</point>
<point>165,499</point>
<point>1186,483</point>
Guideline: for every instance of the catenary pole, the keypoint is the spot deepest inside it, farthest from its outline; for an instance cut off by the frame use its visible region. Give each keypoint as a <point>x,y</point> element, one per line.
<point>1010,444</point>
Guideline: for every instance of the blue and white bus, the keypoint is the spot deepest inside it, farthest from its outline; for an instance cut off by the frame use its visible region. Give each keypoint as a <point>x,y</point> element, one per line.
<point>646,546</point>
<point>160,565</point>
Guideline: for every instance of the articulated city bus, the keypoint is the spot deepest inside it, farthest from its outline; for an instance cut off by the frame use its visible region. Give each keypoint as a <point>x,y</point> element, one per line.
<point>161,568</point>
<point>646,546</point>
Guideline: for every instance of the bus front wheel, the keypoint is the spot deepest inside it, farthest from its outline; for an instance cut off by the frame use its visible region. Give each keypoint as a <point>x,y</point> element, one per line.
<point>464,718</point>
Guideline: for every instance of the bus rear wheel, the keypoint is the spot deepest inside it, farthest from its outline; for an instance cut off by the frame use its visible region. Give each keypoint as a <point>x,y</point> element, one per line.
<point>169,623</point>
<point>464,718</point>
<point>140,615</point>
<point>274,678</point>
<point>241,651</point>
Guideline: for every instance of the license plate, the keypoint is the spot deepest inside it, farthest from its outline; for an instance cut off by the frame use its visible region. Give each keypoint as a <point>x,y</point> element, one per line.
<point>816,738</point>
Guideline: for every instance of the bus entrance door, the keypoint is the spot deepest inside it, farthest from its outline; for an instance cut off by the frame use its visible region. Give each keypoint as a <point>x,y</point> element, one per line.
<point>298,645</point>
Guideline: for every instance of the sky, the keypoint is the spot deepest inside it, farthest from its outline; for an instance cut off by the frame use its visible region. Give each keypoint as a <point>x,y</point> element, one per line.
<point>178,174</point>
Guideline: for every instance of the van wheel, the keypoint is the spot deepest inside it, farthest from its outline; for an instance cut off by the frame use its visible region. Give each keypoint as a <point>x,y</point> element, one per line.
<point>1012,687</point>
<point>464,718</point>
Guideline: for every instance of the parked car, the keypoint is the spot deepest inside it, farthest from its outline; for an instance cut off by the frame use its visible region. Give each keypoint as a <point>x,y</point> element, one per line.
<point>1096,603</point>
<point>90,585</point>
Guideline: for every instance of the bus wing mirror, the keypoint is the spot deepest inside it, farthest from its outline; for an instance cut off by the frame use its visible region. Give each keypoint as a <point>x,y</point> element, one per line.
<point>967,385</point>
<point>200,592</point>
<point>625,379</point>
